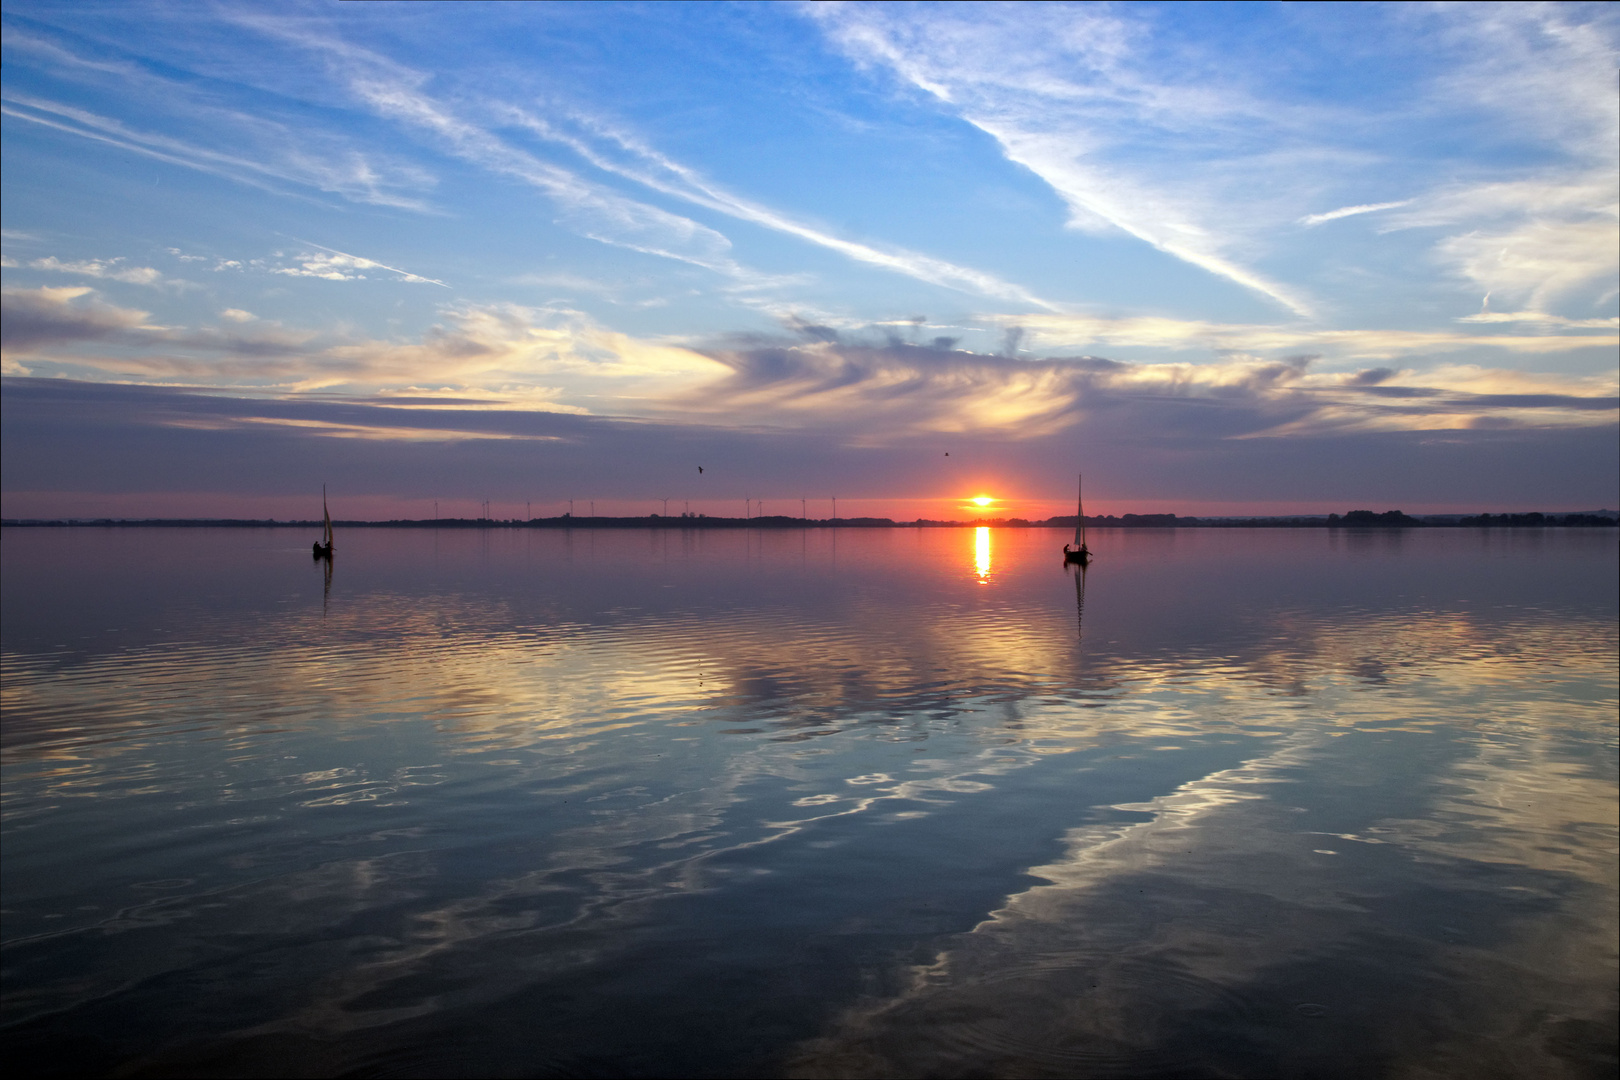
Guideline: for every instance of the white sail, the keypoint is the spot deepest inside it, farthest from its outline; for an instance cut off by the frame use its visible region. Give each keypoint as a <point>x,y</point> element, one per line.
<point>326,533</point>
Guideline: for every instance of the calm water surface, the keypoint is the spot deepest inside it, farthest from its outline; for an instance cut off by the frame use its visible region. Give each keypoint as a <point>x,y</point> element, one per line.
<point>864,803</point>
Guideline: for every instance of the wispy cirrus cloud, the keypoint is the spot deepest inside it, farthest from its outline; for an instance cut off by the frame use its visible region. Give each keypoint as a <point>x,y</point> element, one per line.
<point>1547,230</point>
<point>1058,88</point>
<point>1351,211</point>
<point>615,150</point>
<point>288,160</point>
<point>269,155</point>
<point>396,91</point>
<point>1198,156</point>
<point>588,208</point>
<point>1536,251</point>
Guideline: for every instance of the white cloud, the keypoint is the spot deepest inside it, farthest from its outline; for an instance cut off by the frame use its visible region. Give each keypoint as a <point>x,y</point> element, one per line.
<point>43,317</point>
<point>514,358</point>
<point>1541,318</point>
<point>538,355</point>
<point>1550,230</point>
<point>880,394</point>
<point>103,268</point>
<point>1077,332</point>
<point>333,265</point>
<point>1537,256</point>
<point>1351,211</point>
<point>381,432</point>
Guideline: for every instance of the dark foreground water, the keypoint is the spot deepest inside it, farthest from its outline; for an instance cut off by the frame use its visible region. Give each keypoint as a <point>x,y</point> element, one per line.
<point>864,803</point>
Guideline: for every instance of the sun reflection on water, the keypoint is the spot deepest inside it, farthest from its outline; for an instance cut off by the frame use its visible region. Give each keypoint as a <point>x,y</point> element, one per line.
<point>981,553</point>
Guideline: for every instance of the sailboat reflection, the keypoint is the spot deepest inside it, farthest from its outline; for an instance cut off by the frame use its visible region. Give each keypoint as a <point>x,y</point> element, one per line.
<point>1080,600</point>
<point>326,586</point>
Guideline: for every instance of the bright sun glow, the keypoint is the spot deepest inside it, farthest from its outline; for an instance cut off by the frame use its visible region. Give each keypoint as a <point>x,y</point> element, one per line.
<point>982,500</point>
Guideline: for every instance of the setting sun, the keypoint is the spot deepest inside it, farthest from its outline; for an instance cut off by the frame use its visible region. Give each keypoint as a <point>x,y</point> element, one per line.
<point>982,500</point>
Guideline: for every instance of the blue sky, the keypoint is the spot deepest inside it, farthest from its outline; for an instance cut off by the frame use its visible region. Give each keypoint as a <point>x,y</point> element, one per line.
<point>1225,257</point>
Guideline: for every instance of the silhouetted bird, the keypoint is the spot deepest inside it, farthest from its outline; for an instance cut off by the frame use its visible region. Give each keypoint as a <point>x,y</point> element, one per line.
<point>947,453</point>
<point>700,468</point>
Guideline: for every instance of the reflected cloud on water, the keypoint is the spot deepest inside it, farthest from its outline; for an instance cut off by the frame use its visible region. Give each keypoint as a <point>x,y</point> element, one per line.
<point>989,833</point>
<point>1204,939</point>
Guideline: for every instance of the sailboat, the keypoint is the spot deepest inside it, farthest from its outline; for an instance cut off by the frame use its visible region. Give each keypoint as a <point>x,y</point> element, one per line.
<point>1079,553</point>
<point>323,546</point>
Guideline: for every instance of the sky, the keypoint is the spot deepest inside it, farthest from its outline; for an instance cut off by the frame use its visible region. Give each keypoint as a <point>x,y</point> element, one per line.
<point>1222,258</point>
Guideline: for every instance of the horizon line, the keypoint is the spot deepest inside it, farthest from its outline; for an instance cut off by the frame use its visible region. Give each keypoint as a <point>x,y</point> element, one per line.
<point>1167,520</point>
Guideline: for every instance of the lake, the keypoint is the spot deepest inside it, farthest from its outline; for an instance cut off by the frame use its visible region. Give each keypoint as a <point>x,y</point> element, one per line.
<point>857,802</point>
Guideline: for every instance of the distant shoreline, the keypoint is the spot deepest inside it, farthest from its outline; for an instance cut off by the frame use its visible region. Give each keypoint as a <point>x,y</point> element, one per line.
<point>1356,519</point>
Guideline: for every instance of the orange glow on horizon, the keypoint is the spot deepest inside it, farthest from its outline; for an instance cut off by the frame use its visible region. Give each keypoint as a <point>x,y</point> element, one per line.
<point>978,504</point>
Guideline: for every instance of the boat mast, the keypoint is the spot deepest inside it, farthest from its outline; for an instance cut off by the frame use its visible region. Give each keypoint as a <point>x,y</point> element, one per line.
<point>1080,513</point>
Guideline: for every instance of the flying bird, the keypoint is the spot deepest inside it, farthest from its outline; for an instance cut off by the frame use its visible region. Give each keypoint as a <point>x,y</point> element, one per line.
<point>700,469</point>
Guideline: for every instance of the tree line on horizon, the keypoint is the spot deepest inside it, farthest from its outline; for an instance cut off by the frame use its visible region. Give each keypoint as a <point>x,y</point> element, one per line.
<point>1351,519</point>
